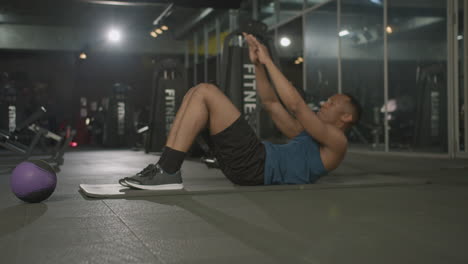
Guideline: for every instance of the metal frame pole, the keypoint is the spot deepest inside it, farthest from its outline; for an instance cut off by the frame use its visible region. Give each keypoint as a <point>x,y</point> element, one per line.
<point>465,71</point>
<point>452,65</point>
<point>195,58</point>
<point>304,63</point>
<point>338,29</point>
<point>205,58</point>
<point>386,128</point>
<point>218,49</point>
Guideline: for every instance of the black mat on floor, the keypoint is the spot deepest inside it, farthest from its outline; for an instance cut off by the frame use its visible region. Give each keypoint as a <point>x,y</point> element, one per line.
<point>118,191</point>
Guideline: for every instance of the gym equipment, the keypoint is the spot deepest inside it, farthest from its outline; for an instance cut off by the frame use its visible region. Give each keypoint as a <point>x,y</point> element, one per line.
<point>10,142</point>
<point>118,130</point>
<point>33,118</point>
<point>169,88</point>
<point>225,186</point>
<point>142,128</point>
<point>141,134</point>
<point>204,142</point>
<point>33,181</point>
<point>17,99</point>
<point>429,129</point>
<point>369,133</point>
<point>8,139</point>
<point>238,83</point>
<point>238,75</point>
<point>8,105</point>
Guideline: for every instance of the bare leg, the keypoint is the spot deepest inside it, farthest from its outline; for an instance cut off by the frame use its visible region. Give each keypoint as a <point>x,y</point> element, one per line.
<point>206,106</point>
<point>180,113</point>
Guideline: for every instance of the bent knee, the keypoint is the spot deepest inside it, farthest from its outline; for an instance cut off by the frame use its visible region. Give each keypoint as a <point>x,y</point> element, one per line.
<point>198,88</point>
<point>205,88</point>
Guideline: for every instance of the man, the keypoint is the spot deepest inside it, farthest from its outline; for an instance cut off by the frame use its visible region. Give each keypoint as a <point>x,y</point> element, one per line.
<point>318,143</point>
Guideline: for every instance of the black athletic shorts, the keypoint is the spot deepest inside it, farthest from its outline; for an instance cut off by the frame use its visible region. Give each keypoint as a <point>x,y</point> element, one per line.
<point>240,153</point>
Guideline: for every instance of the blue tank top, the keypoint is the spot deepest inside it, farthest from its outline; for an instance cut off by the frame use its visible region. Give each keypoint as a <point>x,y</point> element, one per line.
<point>297,162</point>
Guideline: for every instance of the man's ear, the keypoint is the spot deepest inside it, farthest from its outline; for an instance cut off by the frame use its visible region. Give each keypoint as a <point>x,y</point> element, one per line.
<point>347,117</point>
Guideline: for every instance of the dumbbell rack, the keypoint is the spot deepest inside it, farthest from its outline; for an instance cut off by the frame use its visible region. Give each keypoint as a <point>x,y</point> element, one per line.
<point>9,141</point>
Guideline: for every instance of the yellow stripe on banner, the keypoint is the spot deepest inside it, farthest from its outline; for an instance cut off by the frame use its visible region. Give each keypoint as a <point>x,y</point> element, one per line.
<point>211,45</point>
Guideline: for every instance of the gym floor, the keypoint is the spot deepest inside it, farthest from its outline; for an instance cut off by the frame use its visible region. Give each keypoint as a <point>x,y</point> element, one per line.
<point>425,223</point>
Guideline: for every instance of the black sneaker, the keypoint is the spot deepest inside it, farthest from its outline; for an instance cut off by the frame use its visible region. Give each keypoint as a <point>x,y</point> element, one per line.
<point>144,171</point>
<point>154,178</point>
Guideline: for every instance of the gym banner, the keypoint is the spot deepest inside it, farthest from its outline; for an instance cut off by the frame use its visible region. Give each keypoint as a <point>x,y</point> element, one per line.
<point>249,89</point>
<point>170,108</point>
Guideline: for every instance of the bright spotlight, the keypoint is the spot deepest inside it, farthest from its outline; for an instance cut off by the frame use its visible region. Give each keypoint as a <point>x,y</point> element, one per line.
<point>153,34</point>
<point>343,33</point>
<point>114,35</point>
<point>159,31</point>
<point>83,56</point>
<point>164,28</point>
<point>460,37</point>
<point>285,42</point>
<point>389,30</point>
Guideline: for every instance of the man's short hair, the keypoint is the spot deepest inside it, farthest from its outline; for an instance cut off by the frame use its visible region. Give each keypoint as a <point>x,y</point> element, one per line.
<point>357,109</point>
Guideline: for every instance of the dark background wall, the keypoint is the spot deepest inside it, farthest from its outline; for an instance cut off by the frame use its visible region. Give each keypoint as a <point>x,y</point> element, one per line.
<point>68,78</point>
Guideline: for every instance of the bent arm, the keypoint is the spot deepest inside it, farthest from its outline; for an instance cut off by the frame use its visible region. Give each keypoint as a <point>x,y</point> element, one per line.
<point>264,89</point>
<point>288,94</point>
<point>287,124</point>
<point>300,111</point>
<point>293,101</point>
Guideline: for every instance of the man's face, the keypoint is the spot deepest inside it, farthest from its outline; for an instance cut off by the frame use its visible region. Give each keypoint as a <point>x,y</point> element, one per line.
<point>332,110</point>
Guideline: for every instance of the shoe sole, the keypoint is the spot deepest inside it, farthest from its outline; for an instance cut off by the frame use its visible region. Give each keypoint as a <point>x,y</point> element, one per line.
<point>174,186</point>
<point>123,183</point>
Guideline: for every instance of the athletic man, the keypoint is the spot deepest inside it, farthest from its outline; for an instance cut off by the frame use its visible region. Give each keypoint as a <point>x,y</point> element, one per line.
<point>317,141</point>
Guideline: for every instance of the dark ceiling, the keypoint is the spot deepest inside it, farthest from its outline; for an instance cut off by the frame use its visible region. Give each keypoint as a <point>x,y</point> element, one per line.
<point>93,13</point>
<point>184,14</point>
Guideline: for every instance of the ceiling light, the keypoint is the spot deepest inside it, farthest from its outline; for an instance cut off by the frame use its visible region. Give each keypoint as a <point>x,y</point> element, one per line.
<point>164,27</point>
<point>300,59</point>
<point>153,34</point>
<point>460,37</point>
<point>285,41</point>
<point>83,56</point>
<point>114,35</point>
<point>297,62</point>
<point>343,33</point>
<point>159,31</point>
<point>389,30</point>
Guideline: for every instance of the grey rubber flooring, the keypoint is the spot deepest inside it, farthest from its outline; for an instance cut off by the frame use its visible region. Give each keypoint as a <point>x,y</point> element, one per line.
<point>424,223</point>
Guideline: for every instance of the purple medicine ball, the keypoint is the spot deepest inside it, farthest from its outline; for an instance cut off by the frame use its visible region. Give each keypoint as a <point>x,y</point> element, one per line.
<point>33,181</point>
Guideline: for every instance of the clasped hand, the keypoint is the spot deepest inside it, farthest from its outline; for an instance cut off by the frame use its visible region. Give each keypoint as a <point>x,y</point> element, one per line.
<point>258,52</point>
